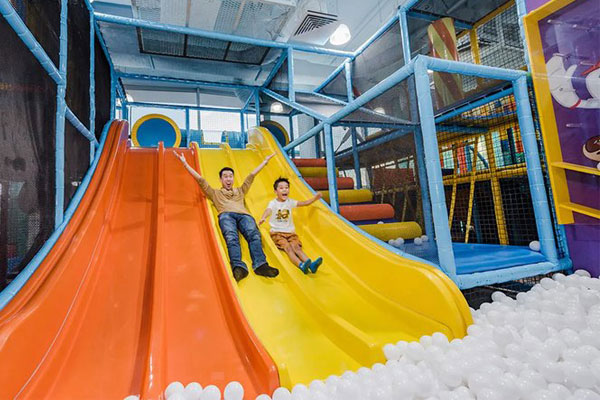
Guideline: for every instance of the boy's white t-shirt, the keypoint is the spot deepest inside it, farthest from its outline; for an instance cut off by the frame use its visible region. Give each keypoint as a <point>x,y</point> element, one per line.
<point>281,215</point>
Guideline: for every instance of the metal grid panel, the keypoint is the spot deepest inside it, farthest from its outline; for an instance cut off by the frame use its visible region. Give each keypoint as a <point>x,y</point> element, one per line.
<point>500,43</point>
<point>468,11</point>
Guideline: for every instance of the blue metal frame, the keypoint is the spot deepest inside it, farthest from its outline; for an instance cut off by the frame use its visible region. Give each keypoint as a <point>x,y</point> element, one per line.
<point>434,173</point>
<point>218,35</point>
<point>471,105</point>
<point>77,124</point>
<point>292,104</point>
<point>192,82</point>
<point>355,158</point>
<point>331,175</point>
<point>349,91</point>
<point>257,105</point>
<point>61,108</point>
<point>92,85</point>
<point>290,58</point>
<point>276,68</point>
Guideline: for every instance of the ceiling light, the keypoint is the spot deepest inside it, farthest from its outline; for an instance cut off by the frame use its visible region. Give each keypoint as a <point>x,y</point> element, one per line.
<point>340,36</point>
<point>379,110</point>
<point>129,98</point>
<point>276,107</point>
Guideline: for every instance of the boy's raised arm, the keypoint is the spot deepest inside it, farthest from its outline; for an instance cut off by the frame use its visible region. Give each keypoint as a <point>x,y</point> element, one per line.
<point>309,201</point>
<point>206,189</point>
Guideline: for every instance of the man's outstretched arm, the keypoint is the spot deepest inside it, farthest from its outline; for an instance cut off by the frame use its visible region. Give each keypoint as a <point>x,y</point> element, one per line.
<point>201,181</point>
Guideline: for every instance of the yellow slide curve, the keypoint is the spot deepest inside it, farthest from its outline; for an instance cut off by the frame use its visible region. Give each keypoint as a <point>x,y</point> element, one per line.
<point>362,297</point>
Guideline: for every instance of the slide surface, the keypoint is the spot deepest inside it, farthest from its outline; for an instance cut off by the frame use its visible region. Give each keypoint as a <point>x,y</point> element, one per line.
<point>362,297</point>
<point>133,295</point>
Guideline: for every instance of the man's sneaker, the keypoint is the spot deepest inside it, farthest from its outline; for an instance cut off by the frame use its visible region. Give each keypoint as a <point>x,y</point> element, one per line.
<point>304,266</point>
<point>314,266</point>
<point>266,270</point>
<point>239,273</point>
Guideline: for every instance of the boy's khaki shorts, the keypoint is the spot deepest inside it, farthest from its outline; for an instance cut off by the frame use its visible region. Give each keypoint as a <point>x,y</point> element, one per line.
<point>282,238</point>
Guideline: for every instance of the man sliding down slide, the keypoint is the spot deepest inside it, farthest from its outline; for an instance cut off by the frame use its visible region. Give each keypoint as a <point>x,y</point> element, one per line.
<point>233,216</point>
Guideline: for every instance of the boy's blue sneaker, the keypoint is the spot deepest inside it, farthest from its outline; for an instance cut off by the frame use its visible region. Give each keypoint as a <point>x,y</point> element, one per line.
<point>304,266</point>
<point>314,266</point>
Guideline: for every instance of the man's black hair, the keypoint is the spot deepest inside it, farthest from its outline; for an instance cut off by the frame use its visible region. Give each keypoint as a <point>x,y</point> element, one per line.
<point>225,169</point>
<point>279,180</point>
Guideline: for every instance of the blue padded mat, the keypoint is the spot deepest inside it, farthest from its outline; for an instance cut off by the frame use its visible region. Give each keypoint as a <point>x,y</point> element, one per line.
<point>475,257</point>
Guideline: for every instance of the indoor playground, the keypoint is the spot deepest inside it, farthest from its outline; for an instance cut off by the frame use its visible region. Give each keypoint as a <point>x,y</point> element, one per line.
<point>456,148</point>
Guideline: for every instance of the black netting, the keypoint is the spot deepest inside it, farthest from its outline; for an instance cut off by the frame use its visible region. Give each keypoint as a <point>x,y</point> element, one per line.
<point>102,87</point>
<point>77,160</point>
<point>27,126</point>
<point>450,91</point>
<point>280,82</point>
<point>485,177</point>
<point>162,43</point>
<point>500,43</point>
<point>379,60</point>
<point>78,61</point>
<point>42,17</point>
<point>471,12</point>
<point>337,87</point>
<point>392,106</point>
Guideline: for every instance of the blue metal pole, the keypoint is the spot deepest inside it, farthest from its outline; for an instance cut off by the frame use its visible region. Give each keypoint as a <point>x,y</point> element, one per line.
<point>434,172</point>
<point>472,105</point>
<point>406,51</point>
<point>331,176</point>
<point>242,129</point>
<point>318,141</point>
<point>191,82</point>
<point>187,127</point>
<point>173,107</point>
<point>61,108</point>
<point>218,35</point>
<point>77,124</point>
<point>92,85</point>
<point>537,187</point>
<point>290,72</point>
<point>284,55</point>
<point>303,138</point>
<point>113,94</point>
<point>522,12</point>
<point>356,159</point>
<point>293,104</point>
<point>349,91</point>
<point>257,106</point>
<point>29,40</point>
<point>291,123</point>
<point>481,71</point>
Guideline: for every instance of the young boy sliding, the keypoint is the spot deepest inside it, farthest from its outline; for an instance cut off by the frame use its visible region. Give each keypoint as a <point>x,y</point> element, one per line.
<point>233,216</point>
<point>282,225</point>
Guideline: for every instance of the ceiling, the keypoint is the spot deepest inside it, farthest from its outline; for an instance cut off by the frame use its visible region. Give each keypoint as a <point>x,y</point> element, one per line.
<point>137,51</point>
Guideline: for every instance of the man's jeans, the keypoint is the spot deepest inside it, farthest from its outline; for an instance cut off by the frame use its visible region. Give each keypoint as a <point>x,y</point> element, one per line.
<point>230,222</point>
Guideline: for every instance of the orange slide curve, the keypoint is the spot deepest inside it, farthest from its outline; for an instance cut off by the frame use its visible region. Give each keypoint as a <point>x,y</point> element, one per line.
<point>133,295</point>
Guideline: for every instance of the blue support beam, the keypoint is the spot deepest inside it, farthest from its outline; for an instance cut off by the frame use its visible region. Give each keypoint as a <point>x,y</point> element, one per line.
<point>187,127</point>
<point>332,76</point>
<point>242,128</point>
<point>434,172</point>
<point>77,124</point>
<point>474,104</point>
<point>349,91</point>
<point>61,109</point>
<point>284,55</point>
<point>293,104</point>
<point>92,84</point>
<point>257,106</point>
<point>191,82</point>
<point>481,71</point>
<point>543,219</point>
<point>331,175</point>
<point>356,158</point>
<point>290,73</point>
<point>218,35</point>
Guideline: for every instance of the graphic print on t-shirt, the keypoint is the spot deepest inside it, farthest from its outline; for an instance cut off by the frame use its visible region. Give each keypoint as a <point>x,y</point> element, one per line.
<point>281,215</point>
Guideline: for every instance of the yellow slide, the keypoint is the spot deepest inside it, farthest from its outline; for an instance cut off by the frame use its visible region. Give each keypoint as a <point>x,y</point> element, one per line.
<point>362,297</point>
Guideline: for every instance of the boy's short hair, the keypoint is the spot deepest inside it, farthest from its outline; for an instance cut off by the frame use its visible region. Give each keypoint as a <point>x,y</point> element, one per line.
<point>225,169</point>
<point>278,181</point>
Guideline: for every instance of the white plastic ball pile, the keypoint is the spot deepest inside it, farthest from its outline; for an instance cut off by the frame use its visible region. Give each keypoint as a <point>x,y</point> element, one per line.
<point>545,345</point>
<point>534,245</point>
<point>396,242</point>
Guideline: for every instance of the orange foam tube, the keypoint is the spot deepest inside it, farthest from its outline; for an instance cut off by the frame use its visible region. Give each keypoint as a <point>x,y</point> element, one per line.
<point>310,162</point>
<point>363,212</point>
<point>320,183</point>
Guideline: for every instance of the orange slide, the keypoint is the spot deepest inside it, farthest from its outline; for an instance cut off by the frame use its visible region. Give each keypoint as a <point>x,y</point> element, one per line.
<point>133,295</point>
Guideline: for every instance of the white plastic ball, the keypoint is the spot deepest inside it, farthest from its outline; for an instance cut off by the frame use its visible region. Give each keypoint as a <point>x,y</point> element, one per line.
<point>425,238</point>
<point>534,245</point>
<point>399,241</point>
<point>193,391</point>
<point>177,396</point>
<point>174,387</point>
<point>418,241</point>
<point>132,397</point>
<point>392,352</point>
<point>380,222</point>
<point>582,272</point>
<point>233,391</point>
<point>282,393</point>
<point>585,394</point>
<point>211,392</point>
<point>263,397</point>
